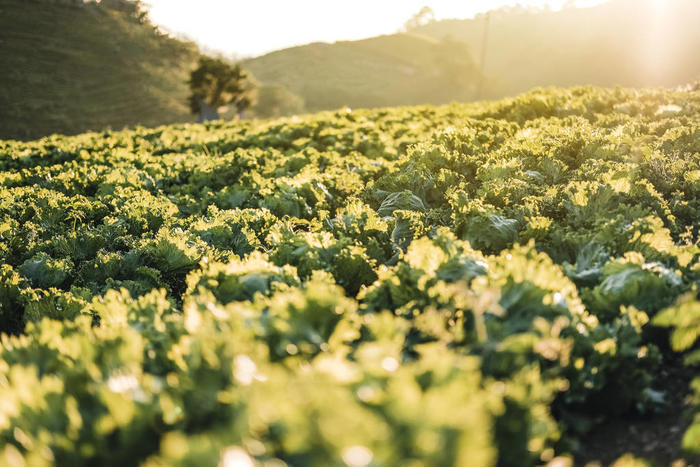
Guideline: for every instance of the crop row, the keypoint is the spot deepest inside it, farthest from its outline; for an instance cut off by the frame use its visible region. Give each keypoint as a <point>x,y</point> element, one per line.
<point>462,285</point>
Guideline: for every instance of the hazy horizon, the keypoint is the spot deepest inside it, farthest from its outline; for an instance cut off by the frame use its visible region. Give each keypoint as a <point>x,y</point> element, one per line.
<point>215,24</point>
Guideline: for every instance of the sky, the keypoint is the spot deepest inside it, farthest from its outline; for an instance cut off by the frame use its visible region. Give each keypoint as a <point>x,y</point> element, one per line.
<point>250,28</point>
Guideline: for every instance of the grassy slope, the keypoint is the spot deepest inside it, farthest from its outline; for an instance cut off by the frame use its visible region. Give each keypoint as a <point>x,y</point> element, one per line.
<point>624,42</point>
<point>68,70</point>
<point>398,69</point>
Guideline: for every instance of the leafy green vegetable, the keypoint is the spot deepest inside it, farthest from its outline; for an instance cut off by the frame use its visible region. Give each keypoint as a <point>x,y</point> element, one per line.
<point>473,284</point>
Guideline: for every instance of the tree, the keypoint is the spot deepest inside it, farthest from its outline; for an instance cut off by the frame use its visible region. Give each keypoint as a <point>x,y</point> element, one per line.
<point>215,84</point>
<point>135,9</point>
<point>425,15</point>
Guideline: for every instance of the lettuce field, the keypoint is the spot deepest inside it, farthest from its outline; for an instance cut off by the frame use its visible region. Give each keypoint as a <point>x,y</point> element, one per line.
<point>468,285</point>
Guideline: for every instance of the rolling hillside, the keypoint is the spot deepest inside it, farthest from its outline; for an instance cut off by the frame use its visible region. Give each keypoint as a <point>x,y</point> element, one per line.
<point>623,42</point>
<point>400,69</point>
<point>68,69</point>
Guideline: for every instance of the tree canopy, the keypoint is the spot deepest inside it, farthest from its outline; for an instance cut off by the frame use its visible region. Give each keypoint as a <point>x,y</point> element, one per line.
<point>216,84</point>
<point>424,16</point>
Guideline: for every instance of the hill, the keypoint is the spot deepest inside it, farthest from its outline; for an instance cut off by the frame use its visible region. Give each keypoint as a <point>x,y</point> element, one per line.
<point>69,69</point>
<point>400,69</point>
<point>466,285</point>
<point>622,42</point>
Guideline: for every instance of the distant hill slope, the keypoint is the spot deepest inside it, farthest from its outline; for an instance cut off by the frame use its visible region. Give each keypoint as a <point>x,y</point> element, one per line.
<point>399,69</point>
<point>623,42</point>
<point>69,69</point>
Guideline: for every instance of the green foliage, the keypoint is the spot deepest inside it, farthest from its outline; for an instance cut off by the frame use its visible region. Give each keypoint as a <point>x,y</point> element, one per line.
<point>647,286</point>
<point>458,285</point>
<point>44,272</point>
<point>217,84</point>
<point>684,317</point>
<point>404,200</point>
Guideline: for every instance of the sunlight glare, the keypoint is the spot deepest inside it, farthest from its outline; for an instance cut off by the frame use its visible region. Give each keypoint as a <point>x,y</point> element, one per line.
<point>656,57</point>
<point>254,28</point>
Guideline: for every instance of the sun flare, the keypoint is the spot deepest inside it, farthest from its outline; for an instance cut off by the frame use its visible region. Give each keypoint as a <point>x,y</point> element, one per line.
<point>234,28</point>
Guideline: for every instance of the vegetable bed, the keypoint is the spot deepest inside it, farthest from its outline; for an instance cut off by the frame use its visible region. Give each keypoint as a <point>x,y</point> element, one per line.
<point>462,285</point>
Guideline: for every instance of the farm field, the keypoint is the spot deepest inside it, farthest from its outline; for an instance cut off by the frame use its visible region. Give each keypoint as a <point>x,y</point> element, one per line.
<point>471,284</point>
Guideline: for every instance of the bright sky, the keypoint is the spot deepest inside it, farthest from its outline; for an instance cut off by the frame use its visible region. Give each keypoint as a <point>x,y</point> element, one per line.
<point>245,27</point>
